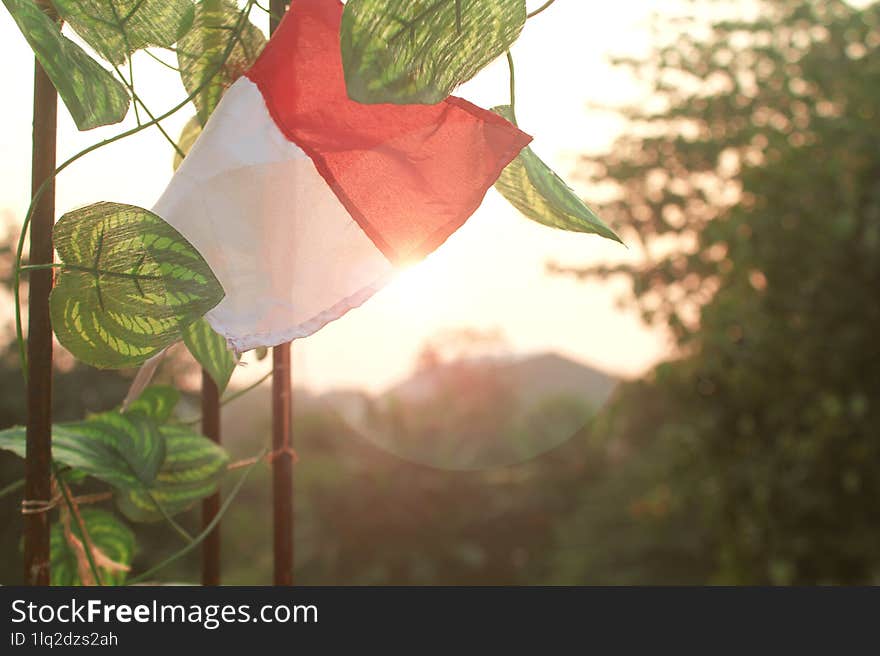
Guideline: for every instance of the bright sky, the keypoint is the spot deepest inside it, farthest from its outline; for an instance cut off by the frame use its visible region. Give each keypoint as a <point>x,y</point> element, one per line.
<point>489,275</point>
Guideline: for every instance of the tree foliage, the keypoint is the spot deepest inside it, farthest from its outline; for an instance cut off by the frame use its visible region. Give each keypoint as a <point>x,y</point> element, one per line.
<point>754,194</point>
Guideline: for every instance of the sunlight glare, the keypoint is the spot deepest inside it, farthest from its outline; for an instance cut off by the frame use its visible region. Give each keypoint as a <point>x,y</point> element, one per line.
<point>415,283</point>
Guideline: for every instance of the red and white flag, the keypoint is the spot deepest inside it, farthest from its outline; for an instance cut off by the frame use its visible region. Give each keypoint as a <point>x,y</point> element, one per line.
<point>303,201</point>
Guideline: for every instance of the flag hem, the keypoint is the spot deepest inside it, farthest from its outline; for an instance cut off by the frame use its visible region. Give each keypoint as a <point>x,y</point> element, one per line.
<point>304,328</point>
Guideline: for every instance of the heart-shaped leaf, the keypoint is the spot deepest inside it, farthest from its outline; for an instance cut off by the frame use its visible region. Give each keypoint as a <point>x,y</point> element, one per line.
<point>200,52</point>
<point>210,350</point>
<point>129,285</point>
<point>113,541</point>
<point>157,402</point>
<point>92,96</point>
<point>117,28</point>
<point>123,450</point>
<point>418,51</point>
<point>536,191</point>
<point>192,470</point>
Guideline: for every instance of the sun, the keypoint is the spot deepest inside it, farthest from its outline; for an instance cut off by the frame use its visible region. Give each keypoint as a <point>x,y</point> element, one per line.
<point>416,283</point>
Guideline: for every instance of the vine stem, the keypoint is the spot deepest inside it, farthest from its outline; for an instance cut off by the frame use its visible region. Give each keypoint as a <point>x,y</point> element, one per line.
<point>268,11</point>
<point>137,101</point>
<point>161,61</point>
<point>41,267</point>
<point>233,396</point>
<point>512,85</point>
<point>247,389</point>
<point>19,331</point>
<point>540,9</point>
<point>182,532</point>
<point>72,508</point>
<point>12,487</point>
<point>130,84</point>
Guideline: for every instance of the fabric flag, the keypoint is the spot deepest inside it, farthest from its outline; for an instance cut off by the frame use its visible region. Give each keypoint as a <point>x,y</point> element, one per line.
<point>303,201</point>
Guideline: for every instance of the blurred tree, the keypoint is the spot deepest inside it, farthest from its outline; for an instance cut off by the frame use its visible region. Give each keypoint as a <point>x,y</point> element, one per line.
<point>635,519</point>
<point>752,187</point>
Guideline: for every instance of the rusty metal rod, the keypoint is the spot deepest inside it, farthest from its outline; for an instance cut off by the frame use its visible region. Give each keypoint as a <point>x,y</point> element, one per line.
<point>282,466</point>
<point>211,394</point>
<point>38,460</point>
<point>211,505</point>
<point>282,401</point>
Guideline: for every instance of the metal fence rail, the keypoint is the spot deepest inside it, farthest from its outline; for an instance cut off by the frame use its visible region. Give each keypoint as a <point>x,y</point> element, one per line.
<point>38,461</point>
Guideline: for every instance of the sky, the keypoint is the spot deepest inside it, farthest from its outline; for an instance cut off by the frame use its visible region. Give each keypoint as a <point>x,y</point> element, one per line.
<point>490,276</point>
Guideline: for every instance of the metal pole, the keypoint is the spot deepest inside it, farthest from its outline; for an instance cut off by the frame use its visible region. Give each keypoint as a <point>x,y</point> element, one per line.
<point>282,466</point>
<point>211,401</point>
<point>282,461</point>
<point>38,460</point>
<point>211,505</point>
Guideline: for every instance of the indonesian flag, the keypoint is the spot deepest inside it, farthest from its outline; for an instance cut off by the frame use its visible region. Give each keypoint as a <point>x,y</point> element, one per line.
<point>303,201</point>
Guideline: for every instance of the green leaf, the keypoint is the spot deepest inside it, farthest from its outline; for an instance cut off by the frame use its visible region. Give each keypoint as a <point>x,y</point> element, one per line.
<point>210,350</point>
<point>92,95</point>
<point>536,191</point>
<point>200,53</point>
<point>140,458</point>
<point>122,450</point>
<point>129,285</point>
<point>117,28</point>
<point>156,402</point>
<point>418,51</point>
<point>113,540</point>
<point>187,138</point>
<point>192,471</point>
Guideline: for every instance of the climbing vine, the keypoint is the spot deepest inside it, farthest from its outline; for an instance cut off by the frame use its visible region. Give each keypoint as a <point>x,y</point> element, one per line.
<point>128,285</point>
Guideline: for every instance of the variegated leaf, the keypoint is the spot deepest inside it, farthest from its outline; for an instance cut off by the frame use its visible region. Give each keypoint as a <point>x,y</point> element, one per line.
<point>129,285</point>
<point>157,402</point>
<point>200,53</point>
<point>418,51</point>
<point>92,95</point>
<point>113,541</point>
<point>193,468</point>
<point>122,450</point>
<point>535,190</point>
<point>210,350</point>
<point>116,28</point>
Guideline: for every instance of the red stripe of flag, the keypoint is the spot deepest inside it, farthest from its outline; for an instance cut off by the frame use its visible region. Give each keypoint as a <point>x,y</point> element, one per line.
<point>410,175</point>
